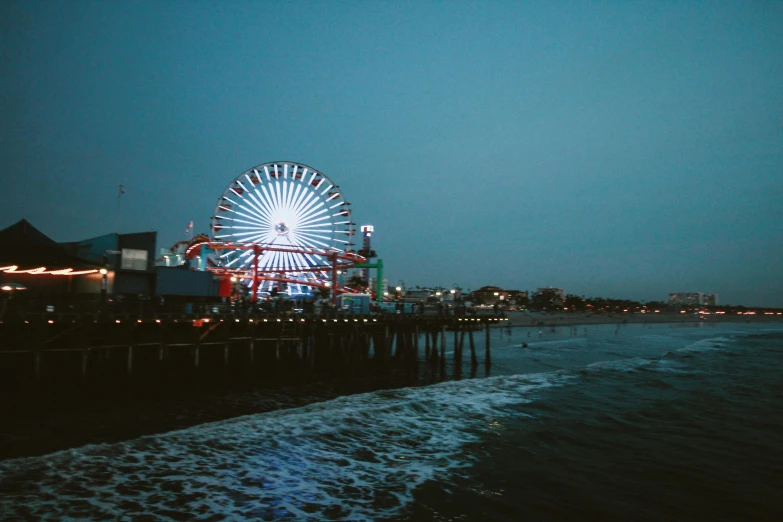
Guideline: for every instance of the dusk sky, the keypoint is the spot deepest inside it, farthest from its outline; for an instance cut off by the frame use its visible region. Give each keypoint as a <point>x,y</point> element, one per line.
<point>626,150</point>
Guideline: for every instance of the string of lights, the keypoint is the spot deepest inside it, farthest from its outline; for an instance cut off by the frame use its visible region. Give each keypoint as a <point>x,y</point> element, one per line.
<point>42,270</point>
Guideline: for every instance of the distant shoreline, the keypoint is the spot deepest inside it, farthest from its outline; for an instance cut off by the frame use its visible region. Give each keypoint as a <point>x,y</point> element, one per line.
<point>522,319</point>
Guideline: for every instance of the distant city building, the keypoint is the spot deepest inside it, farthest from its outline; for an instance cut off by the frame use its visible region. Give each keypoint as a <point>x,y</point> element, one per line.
<point>548,299</point>
<point>486,294</point>
<point>495,294</point>
<point>685,298</point>
<point>419,294</point>
<point>709,300</point>
<point>431,294</point>
<point>557,291</point>
<point>516,296</point>
<point>693,299</point>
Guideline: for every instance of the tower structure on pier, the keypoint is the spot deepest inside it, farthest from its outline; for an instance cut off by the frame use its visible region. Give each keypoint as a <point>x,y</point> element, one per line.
<point>367,251</point>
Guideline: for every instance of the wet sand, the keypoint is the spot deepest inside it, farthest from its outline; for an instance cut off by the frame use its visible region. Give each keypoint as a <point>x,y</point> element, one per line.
<point>578,318</point>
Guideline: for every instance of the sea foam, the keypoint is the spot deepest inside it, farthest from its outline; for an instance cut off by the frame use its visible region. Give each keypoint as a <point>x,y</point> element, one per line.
<point>352,458</point>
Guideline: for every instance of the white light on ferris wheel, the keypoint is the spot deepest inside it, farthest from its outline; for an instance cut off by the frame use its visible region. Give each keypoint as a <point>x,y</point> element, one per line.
<point>282,204</point>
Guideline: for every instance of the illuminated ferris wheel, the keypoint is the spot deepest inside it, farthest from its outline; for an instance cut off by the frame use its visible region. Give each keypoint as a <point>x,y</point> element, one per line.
<point>294,213</point>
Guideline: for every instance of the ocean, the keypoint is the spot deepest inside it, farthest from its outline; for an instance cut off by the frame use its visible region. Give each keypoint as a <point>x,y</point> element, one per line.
<point>604,422</point>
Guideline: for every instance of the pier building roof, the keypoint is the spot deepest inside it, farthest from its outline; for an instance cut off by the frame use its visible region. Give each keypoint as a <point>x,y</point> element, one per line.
<point>25,246</point>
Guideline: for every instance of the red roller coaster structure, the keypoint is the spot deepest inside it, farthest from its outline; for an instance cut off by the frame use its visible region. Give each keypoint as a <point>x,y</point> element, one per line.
<point>333,260</point>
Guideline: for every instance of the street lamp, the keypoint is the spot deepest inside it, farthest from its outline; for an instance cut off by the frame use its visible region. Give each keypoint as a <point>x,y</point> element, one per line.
<point>13,287</point>
<point>104,285</point>
<point>10,289</point>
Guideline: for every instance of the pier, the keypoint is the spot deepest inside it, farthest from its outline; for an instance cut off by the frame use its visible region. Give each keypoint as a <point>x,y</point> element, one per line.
<point>40,354</point>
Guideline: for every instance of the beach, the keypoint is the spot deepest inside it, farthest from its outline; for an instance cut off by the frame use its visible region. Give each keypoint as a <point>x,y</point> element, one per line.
<point>516,318</point>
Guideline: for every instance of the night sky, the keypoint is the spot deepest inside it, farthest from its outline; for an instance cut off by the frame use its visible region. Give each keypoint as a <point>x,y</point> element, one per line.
<point>625,150</point>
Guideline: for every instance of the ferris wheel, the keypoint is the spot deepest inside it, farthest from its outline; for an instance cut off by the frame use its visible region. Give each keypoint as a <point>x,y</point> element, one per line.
<point>293,212</point>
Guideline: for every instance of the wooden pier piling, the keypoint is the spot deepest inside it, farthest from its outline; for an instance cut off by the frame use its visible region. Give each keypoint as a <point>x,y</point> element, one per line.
<point>129,361</point>
<point>473,358</point>
<point>487,353</point>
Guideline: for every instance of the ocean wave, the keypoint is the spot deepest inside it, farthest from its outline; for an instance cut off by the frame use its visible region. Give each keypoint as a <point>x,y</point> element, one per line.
<point>640,364</point>
<point>352,458</point>
<point>630,364</point>
<point>669,366</point>
<point>558,343</point>
<point>706,345</point>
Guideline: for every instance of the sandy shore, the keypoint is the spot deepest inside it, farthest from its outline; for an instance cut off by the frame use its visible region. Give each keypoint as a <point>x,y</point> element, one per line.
<point>566,319</point>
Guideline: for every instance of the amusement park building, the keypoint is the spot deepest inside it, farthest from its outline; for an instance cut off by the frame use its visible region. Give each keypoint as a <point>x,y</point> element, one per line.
<point>112,264</point>
<point>129,258</point>
<point>30,259</point>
